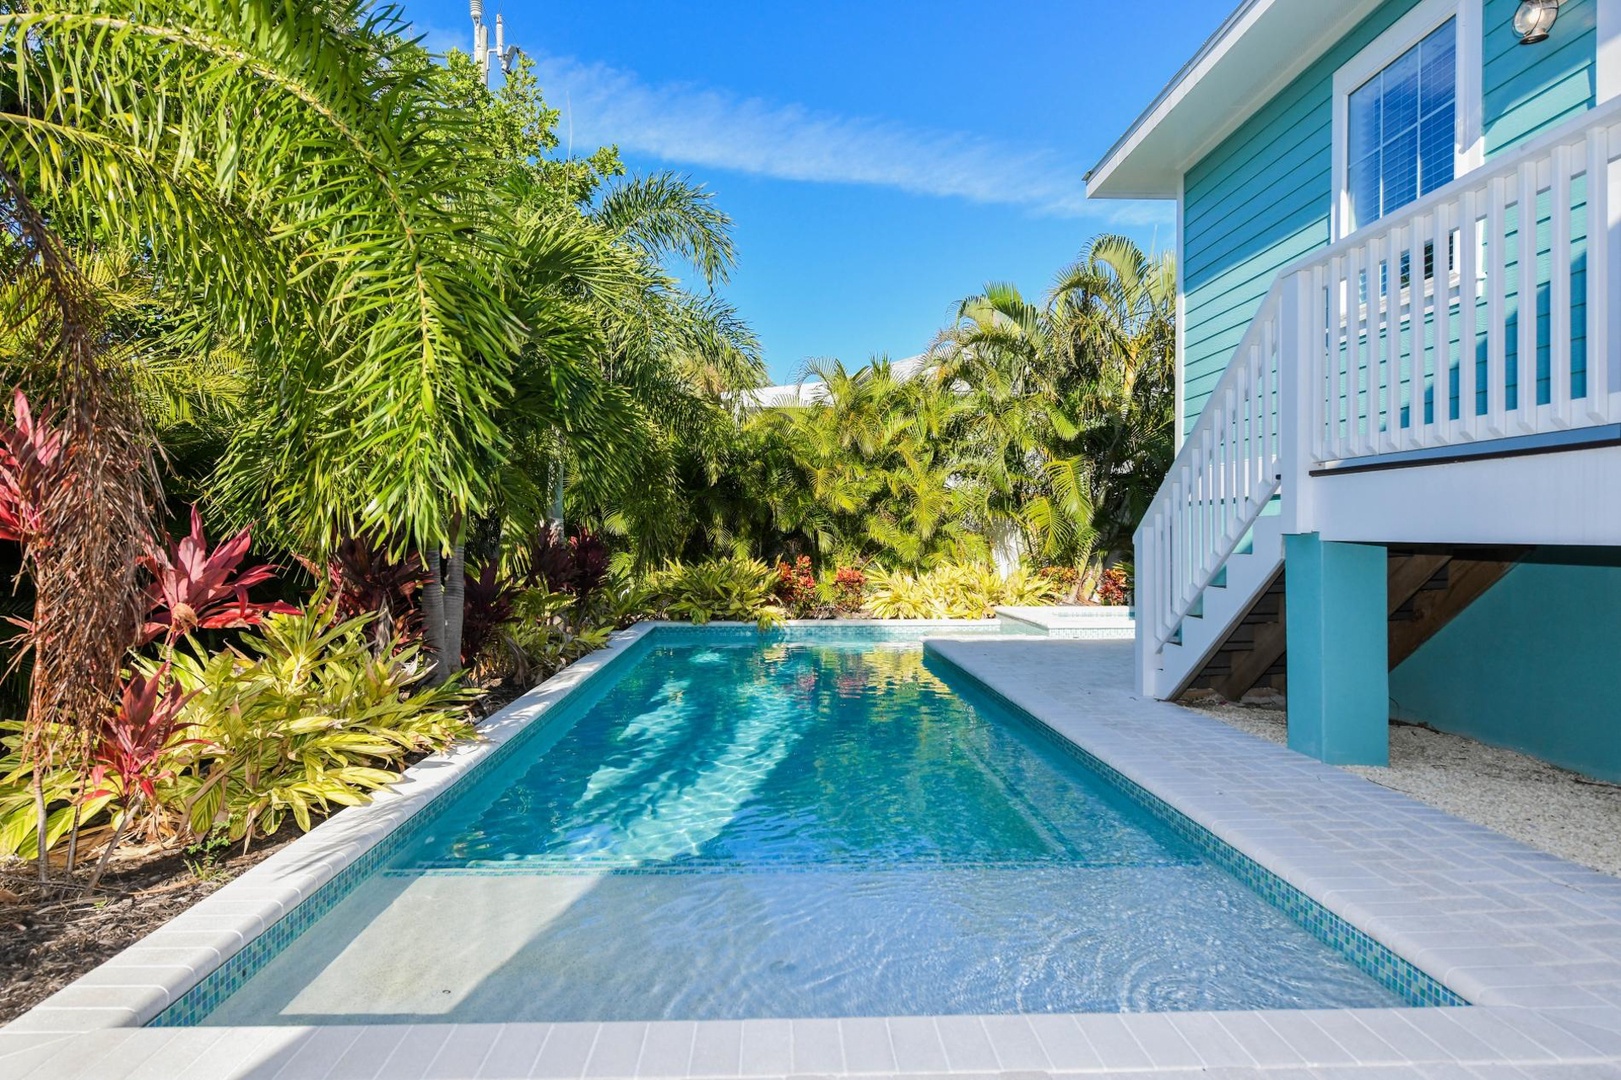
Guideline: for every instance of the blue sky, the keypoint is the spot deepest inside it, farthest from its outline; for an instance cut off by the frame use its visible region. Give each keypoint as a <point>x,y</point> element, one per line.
<point>882,160</point>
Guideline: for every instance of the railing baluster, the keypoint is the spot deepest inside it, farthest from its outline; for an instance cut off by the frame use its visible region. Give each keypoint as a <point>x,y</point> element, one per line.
<point>1525,359</point>
<point>1497,307</point>
<point>1367,350</point>
<point>1331,363</point>
<point>1383,406</point>
<point>1560,356</point>
<point>1599,286</point>
<point>1344,411</point>
<point>1468,313</point>
<point>1435,396</point>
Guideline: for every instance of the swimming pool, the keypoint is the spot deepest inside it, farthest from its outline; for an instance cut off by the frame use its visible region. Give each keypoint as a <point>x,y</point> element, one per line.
<point>813,823</point>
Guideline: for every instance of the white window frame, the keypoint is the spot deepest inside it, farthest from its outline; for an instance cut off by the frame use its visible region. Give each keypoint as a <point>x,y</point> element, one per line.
<point>1469,149</point>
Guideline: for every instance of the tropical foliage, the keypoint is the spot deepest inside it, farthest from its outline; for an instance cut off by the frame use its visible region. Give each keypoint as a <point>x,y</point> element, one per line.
<point>276,270</point>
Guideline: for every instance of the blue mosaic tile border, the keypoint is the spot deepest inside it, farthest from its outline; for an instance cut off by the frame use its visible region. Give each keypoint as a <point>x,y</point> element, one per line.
<point>1395,973</point>
<point>823,629</point>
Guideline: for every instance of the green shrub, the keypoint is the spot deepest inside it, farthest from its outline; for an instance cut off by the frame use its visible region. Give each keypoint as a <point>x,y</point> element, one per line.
<point>19,821</point>
<point>953,591</point>
<point>547,632</point>
<point>730,589</point>
<point>900,595</point>
<point>1025,589</point>
<point>305,718</point>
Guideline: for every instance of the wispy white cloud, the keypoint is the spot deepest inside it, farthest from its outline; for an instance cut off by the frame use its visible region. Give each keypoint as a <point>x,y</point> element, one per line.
<point>693,125</point>
<point>438,40</point>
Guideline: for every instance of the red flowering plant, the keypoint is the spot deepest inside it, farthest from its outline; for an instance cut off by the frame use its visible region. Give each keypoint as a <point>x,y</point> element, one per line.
<point>1113,587</point>
<point>795,587</point>
<point>194,588</point>
<point>129,750</point>
<point>849,585</point>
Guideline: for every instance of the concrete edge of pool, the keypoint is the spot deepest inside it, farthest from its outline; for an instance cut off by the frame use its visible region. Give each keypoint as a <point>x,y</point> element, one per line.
<point>1534,941</point>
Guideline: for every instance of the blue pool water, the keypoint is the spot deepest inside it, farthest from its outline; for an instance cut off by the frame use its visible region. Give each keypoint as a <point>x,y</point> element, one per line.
<point>823,827</point>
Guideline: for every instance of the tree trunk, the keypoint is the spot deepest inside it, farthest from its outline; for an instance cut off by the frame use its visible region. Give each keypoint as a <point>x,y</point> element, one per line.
<point>556,522</point>
<point>433,616</point>
<point>73,834</point>
<point>41,818</point>
<point>106,856</point>
<point>455,605</point>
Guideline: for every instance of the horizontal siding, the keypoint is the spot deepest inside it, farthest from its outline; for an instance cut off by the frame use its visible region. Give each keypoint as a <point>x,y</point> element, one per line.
<point>1256,203</point>
<point>1261,199</point>
<point>1528,88</point>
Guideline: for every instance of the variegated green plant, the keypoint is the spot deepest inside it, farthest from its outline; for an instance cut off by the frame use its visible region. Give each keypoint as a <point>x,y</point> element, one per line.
<point>735,588</point>
<point>954,591</point>
<point>301,719</point>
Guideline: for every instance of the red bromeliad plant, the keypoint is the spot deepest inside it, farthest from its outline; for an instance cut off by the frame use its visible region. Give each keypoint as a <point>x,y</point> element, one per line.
<point>130,748</point>
<point>194,588</point>
<point>849,584</point>
<point>30,466</point>
<point>796,584</point>
<point>488,604</point>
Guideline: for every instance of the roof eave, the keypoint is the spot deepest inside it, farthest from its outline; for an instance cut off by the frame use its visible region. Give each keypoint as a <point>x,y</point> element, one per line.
<point>1231,76</point>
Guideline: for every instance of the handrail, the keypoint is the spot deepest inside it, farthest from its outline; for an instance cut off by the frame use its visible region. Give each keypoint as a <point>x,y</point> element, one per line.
<point>1223,477</point>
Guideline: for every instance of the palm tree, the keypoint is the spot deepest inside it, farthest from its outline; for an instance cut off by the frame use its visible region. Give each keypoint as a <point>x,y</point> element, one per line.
<point>1113,314</point>
<point>1073,399</point>
<point>277,168</point>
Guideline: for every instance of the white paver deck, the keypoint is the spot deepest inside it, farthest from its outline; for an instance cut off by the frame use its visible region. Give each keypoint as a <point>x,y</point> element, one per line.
<point>1533,941</point>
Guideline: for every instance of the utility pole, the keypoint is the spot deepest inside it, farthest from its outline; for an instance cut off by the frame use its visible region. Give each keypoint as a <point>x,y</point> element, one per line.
<point>482,52</point>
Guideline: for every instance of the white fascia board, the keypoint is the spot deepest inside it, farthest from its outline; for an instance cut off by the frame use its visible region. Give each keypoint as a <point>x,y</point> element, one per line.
<point>1236,72</point>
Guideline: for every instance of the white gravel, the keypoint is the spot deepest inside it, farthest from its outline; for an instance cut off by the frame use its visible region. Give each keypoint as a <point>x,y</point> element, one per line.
<point>1538,804</point>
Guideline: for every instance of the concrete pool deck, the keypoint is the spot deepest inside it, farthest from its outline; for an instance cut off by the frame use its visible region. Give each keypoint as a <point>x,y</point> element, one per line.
<point>1533,941</point>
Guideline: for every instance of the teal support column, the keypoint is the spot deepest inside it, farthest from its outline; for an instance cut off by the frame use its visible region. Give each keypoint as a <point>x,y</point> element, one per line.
<point>1338,653</point>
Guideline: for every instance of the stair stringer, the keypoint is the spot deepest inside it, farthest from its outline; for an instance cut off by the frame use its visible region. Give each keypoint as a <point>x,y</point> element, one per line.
<point>1248,573</point>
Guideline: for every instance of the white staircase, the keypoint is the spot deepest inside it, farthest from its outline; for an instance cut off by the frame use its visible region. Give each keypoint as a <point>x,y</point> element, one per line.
<point>1221,606</point>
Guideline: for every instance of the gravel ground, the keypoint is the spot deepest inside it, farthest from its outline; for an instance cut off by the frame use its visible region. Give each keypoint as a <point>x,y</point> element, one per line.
<point>1538,804</point>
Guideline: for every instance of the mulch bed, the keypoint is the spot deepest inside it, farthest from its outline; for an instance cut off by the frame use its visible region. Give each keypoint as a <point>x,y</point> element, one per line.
<point>50,936</point>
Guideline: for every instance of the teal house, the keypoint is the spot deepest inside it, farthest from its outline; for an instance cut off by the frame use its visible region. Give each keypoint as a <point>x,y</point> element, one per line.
<point>1398,486</point>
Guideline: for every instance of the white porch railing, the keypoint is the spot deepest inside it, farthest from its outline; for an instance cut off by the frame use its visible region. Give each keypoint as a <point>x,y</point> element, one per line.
<point>1223,478</point>
<point>1427,330</point>
<point>1480,312</point>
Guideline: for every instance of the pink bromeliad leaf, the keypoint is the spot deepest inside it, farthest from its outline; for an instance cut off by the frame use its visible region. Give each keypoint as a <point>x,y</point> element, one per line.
<point>132,739</point>
<point>30,467</point>
<point>195,588</point>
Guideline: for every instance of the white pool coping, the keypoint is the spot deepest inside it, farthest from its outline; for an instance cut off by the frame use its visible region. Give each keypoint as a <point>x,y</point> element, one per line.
<point>1111,623</point>
<point>1534,941</point>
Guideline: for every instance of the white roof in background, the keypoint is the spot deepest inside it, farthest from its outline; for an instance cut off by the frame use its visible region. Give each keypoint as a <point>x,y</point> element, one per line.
<point>1257,52</point>
<point>812,393</point>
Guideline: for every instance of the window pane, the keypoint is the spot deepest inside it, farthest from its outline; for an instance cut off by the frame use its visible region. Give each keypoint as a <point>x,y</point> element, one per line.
<point>1438,73</point>
<point>1363,183</point>
<point>1401,94</point>
<point>1437,153</point>
<point>1363,117</point>
<point>1400,171</point>
<point>1401,137</point>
